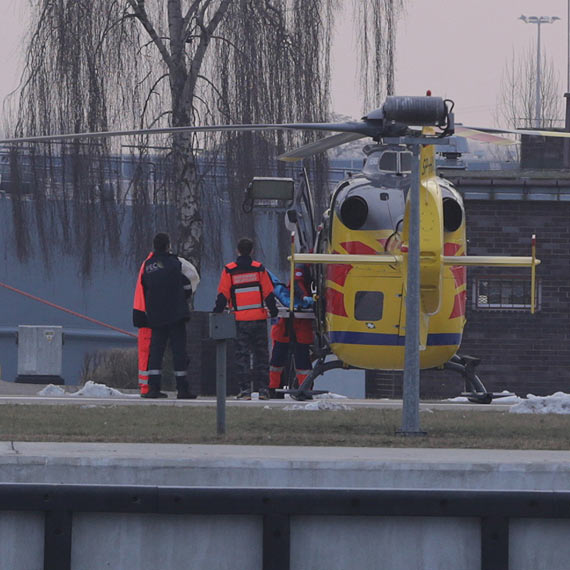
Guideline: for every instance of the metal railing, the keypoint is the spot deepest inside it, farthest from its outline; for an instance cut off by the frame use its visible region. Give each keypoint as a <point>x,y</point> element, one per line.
<point>277,506</point>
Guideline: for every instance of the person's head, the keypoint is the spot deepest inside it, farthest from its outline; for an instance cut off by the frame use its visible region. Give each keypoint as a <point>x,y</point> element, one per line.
<point>245,246</point>
<point>161,243</point>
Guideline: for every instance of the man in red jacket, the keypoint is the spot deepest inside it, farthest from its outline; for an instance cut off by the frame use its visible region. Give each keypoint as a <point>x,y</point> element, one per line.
<point>246,286</point>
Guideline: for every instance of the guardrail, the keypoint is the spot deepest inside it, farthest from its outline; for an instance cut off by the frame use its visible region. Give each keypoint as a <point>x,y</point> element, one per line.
<point>276,506</point>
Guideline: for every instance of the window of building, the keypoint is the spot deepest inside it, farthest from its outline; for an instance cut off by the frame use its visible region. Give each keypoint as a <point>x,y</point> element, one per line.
<point>505,293</point>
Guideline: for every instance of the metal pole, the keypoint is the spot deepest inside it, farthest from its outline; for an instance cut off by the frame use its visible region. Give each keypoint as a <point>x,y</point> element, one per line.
<point>221,386</point>
<point>538,103</point>
<point>568,74</point>
<point>411,388</point>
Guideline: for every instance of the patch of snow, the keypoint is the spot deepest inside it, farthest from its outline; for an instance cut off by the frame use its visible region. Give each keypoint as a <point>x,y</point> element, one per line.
<point>89,390</point>
<point>557,403</point>
<point>93,390</point>
<point>318,405</point>
<point>51,390</point>
<point>328,395</point>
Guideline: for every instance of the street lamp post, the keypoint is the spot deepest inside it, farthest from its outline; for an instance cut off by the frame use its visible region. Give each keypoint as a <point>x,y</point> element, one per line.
<point>538,20</point>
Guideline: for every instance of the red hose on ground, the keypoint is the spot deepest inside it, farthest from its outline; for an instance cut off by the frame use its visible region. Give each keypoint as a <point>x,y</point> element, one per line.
<point>75,314</point>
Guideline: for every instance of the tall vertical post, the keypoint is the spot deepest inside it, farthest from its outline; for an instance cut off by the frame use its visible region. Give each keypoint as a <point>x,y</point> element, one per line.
<point>411,388</point>
<point>566,163</point>
<point>222,327</point>
<point>537,112</point>
<point>221,383</point>
<point>538,20</point>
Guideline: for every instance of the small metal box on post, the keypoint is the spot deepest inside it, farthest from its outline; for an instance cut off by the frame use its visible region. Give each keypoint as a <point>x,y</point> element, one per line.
<point>222,328</point>
<point>40,354</point>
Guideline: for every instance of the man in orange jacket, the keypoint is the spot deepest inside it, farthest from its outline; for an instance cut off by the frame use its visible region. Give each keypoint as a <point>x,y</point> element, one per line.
<point>245,286</point>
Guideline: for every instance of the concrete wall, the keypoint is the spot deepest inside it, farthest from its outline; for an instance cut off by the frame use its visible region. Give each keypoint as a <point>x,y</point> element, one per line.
<point>149,541</point>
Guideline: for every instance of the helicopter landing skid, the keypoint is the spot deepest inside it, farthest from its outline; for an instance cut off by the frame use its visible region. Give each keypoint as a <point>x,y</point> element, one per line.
<point>475,391</point>
<point>485,397</point>
<point>305,390</point>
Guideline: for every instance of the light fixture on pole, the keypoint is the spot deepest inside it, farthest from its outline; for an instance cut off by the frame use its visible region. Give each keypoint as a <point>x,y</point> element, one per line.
<point>538,20</point>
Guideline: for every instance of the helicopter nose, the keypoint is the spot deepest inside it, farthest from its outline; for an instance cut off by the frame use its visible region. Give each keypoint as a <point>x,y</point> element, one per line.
<point>354,212</point>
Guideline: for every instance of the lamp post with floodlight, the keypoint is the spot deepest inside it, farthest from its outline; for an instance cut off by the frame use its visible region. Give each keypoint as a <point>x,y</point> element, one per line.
<point>538,20</point>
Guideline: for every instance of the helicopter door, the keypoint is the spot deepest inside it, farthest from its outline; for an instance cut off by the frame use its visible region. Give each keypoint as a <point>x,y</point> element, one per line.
<point>424,322</point>
<point>301,217</point>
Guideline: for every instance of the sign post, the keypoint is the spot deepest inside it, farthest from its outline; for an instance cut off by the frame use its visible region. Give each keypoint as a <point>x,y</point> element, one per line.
<point>222,328</point>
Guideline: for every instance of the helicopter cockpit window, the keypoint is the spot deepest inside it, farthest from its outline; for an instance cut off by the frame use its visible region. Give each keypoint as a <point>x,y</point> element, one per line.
<point>389,162</point>
<point>368,305</point>
<point>406,162</point>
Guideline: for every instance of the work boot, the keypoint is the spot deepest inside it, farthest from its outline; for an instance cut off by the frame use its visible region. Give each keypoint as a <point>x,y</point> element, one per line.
<point>264,394</point>
<point>244,395</point>
<point>275,395</point>
<point>186,396</point>
<point>154,394</point>
<point>183,389</point>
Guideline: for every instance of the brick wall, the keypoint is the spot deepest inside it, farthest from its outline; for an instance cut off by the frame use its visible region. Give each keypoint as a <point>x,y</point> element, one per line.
<point>520,352</point>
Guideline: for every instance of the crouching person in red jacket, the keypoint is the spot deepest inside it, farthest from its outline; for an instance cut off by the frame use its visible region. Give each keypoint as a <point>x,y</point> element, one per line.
<point>301,336</point>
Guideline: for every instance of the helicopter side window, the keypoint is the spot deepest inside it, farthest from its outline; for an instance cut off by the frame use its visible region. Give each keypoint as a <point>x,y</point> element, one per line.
<point>405,162</point>
<point>368,305</point>
<point>389,162</point>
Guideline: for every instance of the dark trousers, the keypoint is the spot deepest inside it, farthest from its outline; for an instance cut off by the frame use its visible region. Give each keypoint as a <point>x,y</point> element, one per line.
<point>301,353</point>
<point>176,334</point>
<point>251,349</point>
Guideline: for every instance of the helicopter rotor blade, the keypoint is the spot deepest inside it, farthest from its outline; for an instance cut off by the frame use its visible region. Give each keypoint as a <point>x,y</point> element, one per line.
<point>532,133</point>
<point>481,136</point>
<point>319,146</point>
<point>361,127</point>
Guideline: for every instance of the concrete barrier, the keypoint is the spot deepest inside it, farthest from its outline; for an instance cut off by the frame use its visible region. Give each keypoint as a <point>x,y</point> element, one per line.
<point>110,535</point>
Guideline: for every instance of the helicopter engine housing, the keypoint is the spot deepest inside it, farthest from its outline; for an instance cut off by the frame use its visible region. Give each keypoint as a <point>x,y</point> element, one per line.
<point>419,111</point>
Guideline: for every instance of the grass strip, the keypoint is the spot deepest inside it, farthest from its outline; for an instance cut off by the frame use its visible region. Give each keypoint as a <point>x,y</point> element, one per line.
<point>365,427</point>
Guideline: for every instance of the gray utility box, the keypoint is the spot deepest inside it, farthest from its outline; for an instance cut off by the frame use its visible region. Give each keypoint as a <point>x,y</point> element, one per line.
<point>222,326</point>
<point>40,354</point>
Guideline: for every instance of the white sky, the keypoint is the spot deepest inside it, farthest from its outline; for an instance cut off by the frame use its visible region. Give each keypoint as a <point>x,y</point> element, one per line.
<point>456,48</point>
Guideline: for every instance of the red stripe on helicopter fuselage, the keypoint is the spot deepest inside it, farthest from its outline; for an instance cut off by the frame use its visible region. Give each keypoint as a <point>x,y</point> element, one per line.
<point>335,302</point>
<point>460,277</point>
<point>450,248</point>
<point>358,248</point>
<point>338,273</point>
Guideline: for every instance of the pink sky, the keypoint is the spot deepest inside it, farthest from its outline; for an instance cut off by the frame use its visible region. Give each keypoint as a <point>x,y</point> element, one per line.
<point>458,49</point>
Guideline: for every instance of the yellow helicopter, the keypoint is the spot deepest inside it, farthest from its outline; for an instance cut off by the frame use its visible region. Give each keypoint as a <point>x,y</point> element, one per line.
<point>362,250</point>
